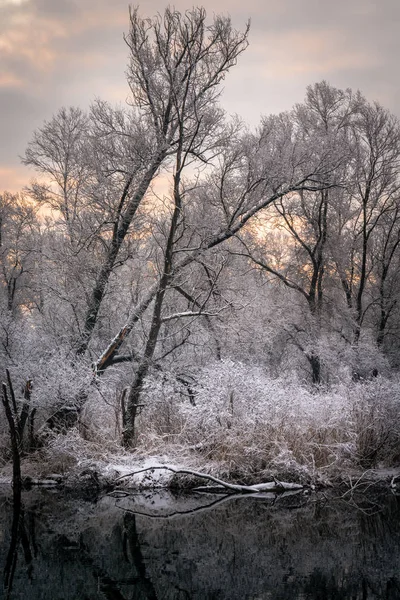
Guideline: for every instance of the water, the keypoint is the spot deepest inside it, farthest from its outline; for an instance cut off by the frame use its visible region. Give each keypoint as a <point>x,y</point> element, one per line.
<point>244,548</point>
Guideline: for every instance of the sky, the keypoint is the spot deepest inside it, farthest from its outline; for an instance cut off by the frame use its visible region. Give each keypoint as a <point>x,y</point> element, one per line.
<point>56,53</point>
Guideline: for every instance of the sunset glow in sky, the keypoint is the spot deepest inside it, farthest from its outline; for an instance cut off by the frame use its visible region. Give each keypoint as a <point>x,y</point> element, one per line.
<point>57,53</point>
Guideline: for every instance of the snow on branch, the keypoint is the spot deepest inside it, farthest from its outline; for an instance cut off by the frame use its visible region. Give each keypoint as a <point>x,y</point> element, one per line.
<point>188,314</point>
<point>271,486</point>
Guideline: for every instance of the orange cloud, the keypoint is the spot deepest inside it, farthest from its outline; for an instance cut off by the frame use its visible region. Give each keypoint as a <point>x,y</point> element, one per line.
<point>13,179</point>
<point>12,2</point>
<point>8,80</point>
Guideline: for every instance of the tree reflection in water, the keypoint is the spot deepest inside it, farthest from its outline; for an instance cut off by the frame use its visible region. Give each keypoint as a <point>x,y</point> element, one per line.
<point>22,537</point>
<point>57,547</point>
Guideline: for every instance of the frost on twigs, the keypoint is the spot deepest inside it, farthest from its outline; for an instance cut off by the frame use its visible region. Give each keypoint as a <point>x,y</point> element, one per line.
<point>251,426</point>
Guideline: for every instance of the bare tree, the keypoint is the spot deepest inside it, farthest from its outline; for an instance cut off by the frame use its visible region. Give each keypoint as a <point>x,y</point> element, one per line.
<point>18,238</point>
<point>290,243</point>
<point>206,214</point>
<point>177,62</point>
<point>57,150</point>
<point>372,191</point>
<point>385,278</point>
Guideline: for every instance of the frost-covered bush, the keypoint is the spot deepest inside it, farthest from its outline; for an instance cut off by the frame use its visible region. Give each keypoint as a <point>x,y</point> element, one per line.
<point>375,413</point>
<point>58,380</point>
<point>252,423</point>
<point>101,416</point>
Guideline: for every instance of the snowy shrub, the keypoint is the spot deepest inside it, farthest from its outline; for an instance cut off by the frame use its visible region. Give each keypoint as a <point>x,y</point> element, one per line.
<point>251,423</point>
<point>376,418</point>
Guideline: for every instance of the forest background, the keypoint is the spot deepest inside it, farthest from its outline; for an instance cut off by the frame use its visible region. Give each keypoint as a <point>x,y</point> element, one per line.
<point>178,282</point>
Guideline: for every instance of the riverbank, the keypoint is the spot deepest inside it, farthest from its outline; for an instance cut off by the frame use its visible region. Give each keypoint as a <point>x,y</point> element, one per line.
<point>86,465</point>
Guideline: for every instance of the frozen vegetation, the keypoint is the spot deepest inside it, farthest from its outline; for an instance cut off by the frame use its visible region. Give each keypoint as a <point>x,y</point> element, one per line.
<point>176,288</point>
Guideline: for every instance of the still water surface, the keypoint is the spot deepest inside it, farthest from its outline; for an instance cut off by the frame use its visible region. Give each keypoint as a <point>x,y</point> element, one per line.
<point>66,548</point>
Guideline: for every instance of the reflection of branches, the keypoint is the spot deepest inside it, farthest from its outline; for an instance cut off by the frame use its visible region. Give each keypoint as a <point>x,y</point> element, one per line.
<point>178,513</point>
<point>355,496</point>
<point>358,486</point>
<point>361,486</point>
<point>372,509</point>
<point>12,556</point>
<point>18,534</point>
<point>272,496</point>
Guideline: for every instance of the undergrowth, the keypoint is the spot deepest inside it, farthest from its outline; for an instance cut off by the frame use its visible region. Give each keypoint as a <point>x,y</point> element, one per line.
<point>253,425</point>
<point>243,425</point>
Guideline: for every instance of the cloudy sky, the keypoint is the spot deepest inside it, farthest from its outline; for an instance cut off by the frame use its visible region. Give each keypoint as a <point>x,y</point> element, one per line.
<point>57,53</point>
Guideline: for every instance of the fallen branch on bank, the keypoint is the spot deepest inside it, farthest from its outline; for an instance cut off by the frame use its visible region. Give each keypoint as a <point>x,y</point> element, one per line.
<point>271,486</point>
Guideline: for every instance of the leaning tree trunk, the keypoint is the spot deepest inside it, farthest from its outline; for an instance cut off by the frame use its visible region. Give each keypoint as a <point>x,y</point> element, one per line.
<point>130,411</point>
<point>133,403</point>
<point>122,223</point>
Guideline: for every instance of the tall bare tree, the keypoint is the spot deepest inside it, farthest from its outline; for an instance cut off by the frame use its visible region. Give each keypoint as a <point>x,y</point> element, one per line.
<point>372,190</point>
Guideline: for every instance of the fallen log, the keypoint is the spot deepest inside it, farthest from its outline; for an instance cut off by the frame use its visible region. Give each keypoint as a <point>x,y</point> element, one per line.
<point>270,486</point>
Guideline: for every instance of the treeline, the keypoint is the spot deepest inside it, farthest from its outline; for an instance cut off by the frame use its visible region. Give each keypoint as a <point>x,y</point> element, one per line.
<point>164,238</point>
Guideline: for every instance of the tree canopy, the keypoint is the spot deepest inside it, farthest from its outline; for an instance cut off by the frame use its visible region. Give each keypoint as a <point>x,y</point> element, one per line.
<point>164,237</point>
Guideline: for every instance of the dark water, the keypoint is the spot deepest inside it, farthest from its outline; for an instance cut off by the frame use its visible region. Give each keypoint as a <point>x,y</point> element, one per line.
<point>244,548</point>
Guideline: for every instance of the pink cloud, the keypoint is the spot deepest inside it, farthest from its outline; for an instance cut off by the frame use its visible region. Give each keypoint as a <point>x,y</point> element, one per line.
<point>13,179</point>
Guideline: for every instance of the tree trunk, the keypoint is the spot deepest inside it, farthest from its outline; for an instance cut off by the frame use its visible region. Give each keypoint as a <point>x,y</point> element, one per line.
<point>15,441</point>
<point>132,406</point>
<point>315,364</point>
<point>120,230</point>
<point>133,402</point>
